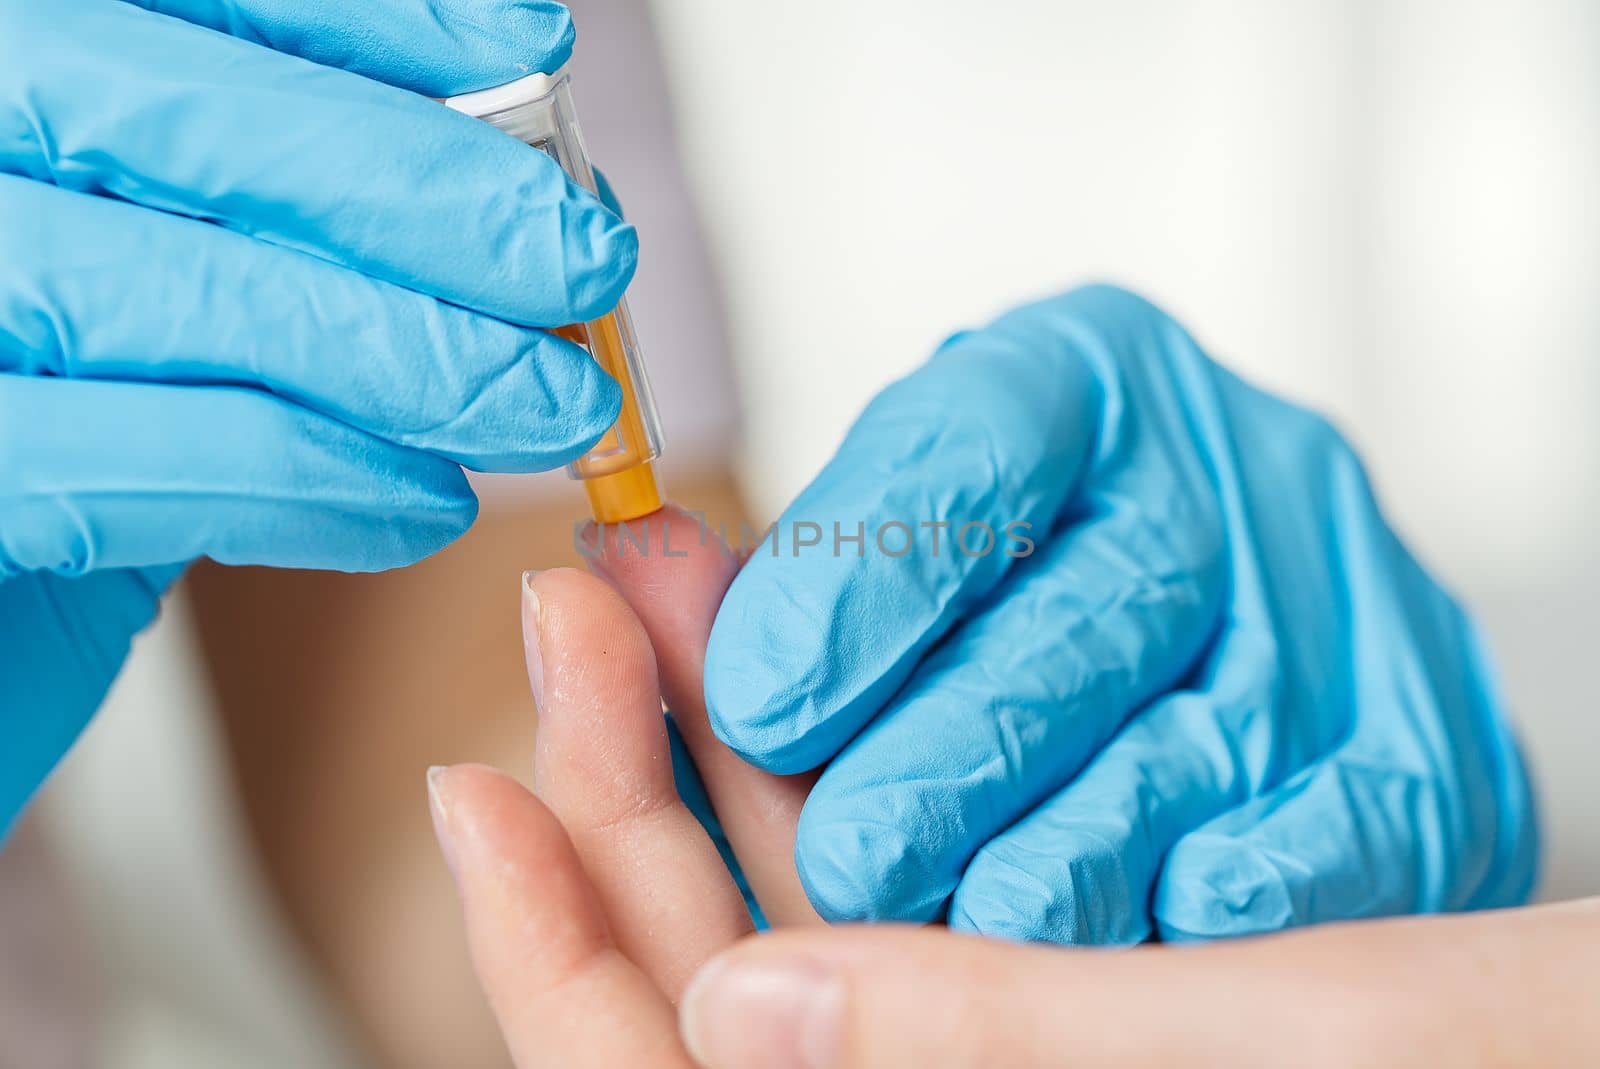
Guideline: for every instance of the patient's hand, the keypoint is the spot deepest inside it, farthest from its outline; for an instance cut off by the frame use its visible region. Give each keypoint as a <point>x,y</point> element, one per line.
<point>590,908</point>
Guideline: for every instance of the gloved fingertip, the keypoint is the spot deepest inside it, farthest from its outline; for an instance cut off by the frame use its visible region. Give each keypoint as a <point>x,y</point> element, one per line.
<point>422,527</point>
<point>545,412</point>
<point>778,685</point>
<point>1081,891</point>
<point>978,918</point>
<point>1003,901</point>
<point>600,402</point>
<point>431,538</point>
<point>1216,887</point>
<point>866,870</point>
<point>463,46</point>
<point>582,418</point>
<point>744,713</point>
<point>770,749</point>
<point>605,254</point>
<point>542,30</point>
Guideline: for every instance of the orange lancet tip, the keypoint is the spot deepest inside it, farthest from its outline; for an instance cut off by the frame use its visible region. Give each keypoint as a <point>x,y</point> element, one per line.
<point>624,495</point>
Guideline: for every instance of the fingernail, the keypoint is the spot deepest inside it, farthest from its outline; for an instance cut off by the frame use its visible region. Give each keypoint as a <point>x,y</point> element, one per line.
<point>531,637</point>
<point>771,1014</point>
<point>438,808</point>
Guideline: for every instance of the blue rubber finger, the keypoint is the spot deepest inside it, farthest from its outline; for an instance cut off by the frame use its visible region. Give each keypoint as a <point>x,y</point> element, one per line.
<point>439,49</point>
<point>112,475</point>
<point>80,275</point>
<point>370,177</point>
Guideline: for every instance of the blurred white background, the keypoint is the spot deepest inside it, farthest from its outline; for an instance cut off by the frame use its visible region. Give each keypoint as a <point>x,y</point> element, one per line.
<point>1387,210</point>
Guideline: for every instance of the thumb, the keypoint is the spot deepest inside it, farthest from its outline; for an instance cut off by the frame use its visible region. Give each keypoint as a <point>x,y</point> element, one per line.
<point>886,997</point>
<point>862,999</point>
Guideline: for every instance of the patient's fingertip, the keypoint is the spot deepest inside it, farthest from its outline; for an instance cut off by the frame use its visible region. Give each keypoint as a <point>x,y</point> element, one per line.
<point>784,1011</point>
<point>439,811</point>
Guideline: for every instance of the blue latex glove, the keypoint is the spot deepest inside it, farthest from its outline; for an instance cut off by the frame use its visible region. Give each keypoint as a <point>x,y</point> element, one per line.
<point>1219,697</point>
<point>260,309</point>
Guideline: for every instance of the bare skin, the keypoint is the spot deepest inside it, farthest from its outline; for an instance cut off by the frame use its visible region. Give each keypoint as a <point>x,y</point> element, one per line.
<point>588,906</point>
<point>336,693</point>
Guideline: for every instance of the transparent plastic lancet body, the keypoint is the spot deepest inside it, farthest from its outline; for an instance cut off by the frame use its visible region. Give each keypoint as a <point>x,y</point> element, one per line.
<point>618,473</point>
